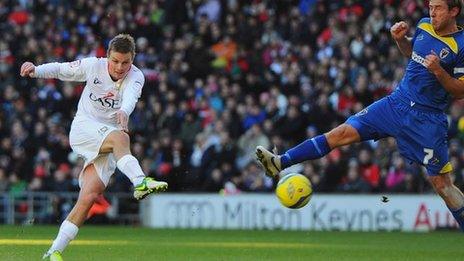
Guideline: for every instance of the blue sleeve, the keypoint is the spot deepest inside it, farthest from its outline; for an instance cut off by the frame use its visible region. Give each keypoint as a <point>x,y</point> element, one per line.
<point>416,33</point>
<point>458,70</point>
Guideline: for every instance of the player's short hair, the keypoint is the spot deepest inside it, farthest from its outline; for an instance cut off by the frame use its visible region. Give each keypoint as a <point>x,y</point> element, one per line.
<point>455,3</point>
<point>122,43</point>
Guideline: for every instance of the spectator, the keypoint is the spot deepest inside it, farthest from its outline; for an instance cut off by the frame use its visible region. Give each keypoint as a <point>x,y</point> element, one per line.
<point>4,183</point>
<point>17,186</point>
<point>214,182</point>
<point>396,177</point>
<point>247,144</point>
<point>354,183</point>
<point>369,170</point>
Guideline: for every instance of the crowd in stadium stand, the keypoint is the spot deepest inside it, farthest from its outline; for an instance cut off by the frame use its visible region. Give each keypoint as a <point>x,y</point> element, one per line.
<point>222,76</point>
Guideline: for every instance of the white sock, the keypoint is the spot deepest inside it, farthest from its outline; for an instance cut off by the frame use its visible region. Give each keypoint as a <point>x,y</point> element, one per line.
<point>130,166</point>
<point>68,232</point>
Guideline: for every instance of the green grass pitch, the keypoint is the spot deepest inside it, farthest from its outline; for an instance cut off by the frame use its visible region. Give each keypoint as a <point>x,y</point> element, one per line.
<point>136,243</point>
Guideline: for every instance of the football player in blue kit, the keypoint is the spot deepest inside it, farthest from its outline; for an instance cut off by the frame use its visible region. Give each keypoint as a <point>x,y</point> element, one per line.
<point>414,113</point>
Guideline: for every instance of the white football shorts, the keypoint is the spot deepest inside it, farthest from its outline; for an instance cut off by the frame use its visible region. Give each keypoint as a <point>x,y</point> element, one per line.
<point>86,137</point>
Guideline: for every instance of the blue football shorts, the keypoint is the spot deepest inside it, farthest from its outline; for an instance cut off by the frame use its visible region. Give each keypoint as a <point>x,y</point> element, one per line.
<point>421,134</point>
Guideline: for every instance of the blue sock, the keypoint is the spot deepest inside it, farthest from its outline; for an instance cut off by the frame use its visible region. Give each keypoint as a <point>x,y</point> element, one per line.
<point>458,214</point>
<point>309,149</point>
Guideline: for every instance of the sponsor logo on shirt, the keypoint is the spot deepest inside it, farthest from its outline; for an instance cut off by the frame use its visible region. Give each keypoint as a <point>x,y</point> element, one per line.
<point>417,58</point>
<point>106,101</point>
<point>458,70</point>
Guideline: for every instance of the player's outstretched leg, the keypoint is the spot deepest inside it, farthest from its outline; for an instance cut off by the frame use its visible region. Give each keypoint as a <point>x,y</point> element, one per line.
<point>309,149</point>
<point>148,186</point>
<point>118,143</point>
<point>272,163</point>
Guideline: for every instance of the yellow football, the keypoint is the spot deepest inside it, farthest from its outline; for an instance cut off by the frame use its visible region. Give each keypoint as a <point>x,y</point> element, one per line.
<point>294,190</point>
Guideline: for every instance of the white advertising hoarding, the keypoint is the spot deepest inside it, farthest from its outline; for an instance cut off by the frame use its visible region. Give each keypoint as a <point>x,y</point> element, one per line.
<point>324,212</point>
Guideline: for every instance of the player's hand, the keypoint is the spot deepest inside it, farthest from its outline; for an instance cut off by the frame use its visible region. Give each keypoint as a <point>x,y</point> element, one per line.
<point>123,120</point>
<point>399,30</point>
<point>27,69</point>
<point>432,62</point>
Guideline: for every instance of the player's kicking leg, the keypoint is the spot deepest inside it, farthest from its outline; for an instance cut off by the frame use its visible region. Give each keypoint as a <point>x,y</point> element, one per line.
<point>309,149</point>
<point>118,143</point>
<point>91,188</point>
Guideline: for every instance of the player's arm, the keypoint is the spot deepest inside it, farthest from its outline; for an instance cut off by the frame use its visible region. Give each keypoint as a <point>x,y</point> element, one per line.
<point>454,86</point>
<point>70,71</point>
<point>130,96</point>
<point>404,43</point>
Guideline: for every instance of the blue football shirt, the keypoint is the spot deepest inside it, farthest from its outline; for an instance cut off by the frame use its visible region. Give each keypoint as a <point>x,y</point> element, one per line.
<point>418,84</point>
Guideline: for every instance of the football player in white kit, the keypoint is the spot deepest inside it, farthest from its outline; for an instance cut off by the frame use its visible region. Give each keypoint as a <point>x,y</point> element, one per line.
<point>99,130</point>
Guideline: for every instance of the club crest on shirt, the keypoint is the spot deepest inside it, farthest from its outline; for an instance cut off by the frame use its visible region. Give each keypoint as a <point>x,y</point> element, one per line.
<point>96,81</point>
<point>444,52</point>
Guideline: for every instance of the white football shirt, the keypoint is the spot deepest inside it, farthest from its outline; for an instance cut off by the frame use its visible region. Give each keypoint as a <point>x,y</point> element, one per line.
<point>102,97</point>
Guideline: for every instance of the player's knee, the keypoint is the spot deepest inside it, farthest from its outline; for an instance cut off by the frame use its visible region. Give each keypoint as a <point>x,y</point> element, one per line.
<point>441,182</point>
<point>120,138</point>
<point>341,135</point>
<point>442,187</point>
<point>89,198</point>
